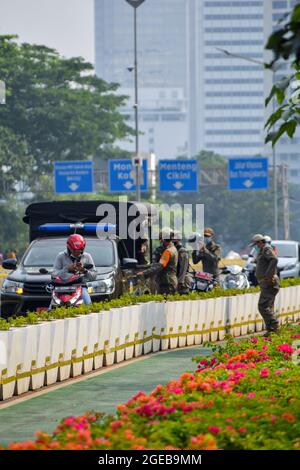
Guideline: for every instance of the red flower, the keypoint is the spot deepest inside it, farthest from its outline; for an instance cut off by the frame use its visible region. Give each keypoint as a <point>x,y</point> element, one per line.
<point>264,372</point>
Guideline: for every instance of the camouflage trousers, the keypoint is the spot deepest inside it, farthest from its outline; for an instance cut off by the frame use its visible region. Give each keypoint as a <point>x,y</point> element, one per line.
<point>266,304</point>
<point>166,289</point>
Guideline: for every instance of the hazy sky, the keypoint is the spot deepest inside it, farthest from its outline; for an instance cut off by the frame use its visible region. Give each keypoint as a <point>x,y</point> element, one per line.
<point>65,25</point>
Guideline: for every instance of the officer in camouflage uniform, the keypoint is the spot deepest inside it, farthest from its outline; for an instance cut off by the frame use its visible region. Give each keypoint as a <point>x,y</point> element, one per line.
<point>266,274</point>
<point>165,269</point>
<point>183,276</point>
<point>158,250</point>
<point>209,253</point>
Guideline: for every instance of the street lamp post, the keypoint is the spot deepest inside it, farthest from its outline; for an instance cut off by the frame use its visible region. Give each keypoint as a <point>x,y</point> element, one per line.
<point>275,189</point>
<point>137,163</point>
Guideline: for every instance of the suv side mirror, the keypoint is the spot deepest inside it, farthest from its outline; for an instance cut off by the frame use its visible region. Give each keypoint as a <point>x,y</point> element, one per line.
<point>129,263</point>
<point>10,263</point>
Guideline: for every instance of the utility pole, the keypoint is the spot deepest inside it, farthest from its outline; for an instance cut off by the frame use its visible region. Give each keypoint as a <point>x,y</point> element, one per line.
<point>136,161</point>
<point>286,202</point>
<point>275,186</point>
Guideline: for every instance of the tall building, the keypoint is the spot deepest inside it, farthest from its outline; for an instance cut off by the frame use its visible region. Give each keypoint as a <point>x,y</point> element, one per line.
<point>230,98</point>
<point>192,95</point>
<point>162,66</point>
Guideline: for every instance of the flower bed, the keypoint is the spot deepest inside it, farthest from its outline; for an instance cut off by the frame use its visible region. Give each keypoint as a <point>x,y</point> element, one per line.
<point>245,396</point>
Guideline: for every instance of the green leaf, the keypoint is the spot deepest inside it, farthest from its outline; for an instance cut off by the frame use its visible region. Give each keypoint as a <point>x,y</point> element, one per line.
<point>287,127</point>
<point>274,117</point>
<point>296,14</point>
<point>280,95</point>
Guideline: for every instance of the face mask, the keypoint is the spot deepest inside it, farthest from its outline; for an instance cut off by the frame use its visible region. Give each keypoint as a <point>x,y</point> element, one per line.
<point>256,249</point>
<point>207,240</point>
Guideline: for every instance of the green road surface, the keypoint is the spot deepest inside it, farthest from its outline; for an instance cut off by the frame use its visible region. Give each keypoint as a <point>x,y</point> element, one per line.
<point>100,393</point>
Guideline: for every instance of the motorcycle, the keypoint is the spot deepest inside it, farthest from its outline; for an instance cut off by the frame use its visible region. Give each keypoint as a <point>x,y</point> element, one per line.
<point>235,277</point>
<point>68,292</point>
<point>203,282</point>
<point>250,270</point>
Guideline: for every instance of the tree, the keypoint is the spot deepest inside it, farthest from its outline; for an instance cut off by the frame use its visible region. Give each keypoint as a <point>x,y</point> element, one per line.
<point>208,159</point>
<point>57,108</point>
<point>285,44</point>
<point>13,151</point>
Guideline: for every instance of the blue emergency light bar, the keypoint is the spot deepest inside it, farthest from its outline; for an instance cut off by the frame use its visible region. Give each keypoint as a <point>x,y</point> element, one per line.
<point>70,228</point>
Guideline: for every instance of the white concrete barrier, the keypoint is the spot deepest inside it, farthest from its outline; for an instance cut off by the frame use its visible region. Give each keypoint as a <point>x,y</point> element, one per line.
<point>105,329</point>
<point>81,345</point>
<point>219,319</point>
<point>195,325</point>
<point>172,317</point>
<point>28,352</point>
<point>185,322</point>
<point>43,358</point>
<point>56,351</point>
<point>208,322</point>
<point>120,317</point>
<point>132,320</point>
<point>297,297</point>
<point>159,325</point>
<point>114,334</point>
<point>12,354</point>
<point>148,324</point>
<point>99,347</point>
<point>70,335</point>
<point>92,342</point>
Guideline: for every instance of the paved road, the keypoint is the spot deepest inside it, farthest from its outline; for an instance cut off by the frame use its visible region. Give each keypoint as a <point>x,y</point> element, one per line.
<point>99,393</point>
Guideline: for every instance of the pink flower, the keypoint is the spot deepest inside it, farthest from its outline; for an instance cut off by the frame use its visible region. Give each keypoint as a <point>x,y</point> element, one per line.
<point>176,390</point>
<point>243,429</point>
<point>254,340</point>
<point>264,372</point>
<point>214,429</point>
<point>251,395</point>
<point>285,348</point>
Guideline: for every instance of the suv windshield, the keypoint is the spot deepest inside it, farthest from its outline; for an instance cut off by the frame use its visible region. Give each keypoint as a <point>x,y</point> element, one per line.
<point>286,251</point>
<point>43,252</point>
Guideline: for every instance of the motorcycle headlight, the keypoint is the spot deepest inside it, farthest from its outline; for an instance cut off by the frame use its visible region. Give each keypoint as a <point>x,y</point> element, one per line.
<point>12,287</point>
<point>102,286</point>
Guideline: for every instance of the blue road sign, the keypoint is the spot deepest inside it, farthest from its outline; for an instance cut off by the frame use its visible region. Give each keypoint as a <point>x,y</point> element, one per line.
<point>73,177</point>
<point>248,173</point>
<point>178,175</point>
<point>122,176</point>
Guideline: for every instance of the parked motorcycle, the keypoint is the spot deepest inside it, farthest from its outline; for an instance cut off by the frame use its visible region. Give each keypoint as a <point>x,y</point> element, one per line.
<point>250,270</point>
<point>202,282</point>
<point>235,277</point>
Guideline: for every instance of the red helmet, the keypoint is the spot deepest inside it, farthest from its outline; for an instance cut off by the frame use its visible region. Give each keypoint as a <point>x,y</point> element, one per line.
<point>76,245</point>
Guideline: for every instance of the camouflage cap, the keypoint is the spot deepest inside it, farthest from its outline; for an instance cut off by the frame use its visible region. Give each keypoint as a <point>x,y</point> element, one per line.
<point>209,232</point>
<point>258,237</point>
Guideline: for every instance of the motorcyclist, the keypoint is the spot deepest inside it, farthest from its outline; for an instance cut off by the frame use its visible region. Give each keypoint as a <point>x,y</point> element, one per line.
<point>183,276</point>
<point>269,241</point>
<point>73,261</point>
<point>208,252</point>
